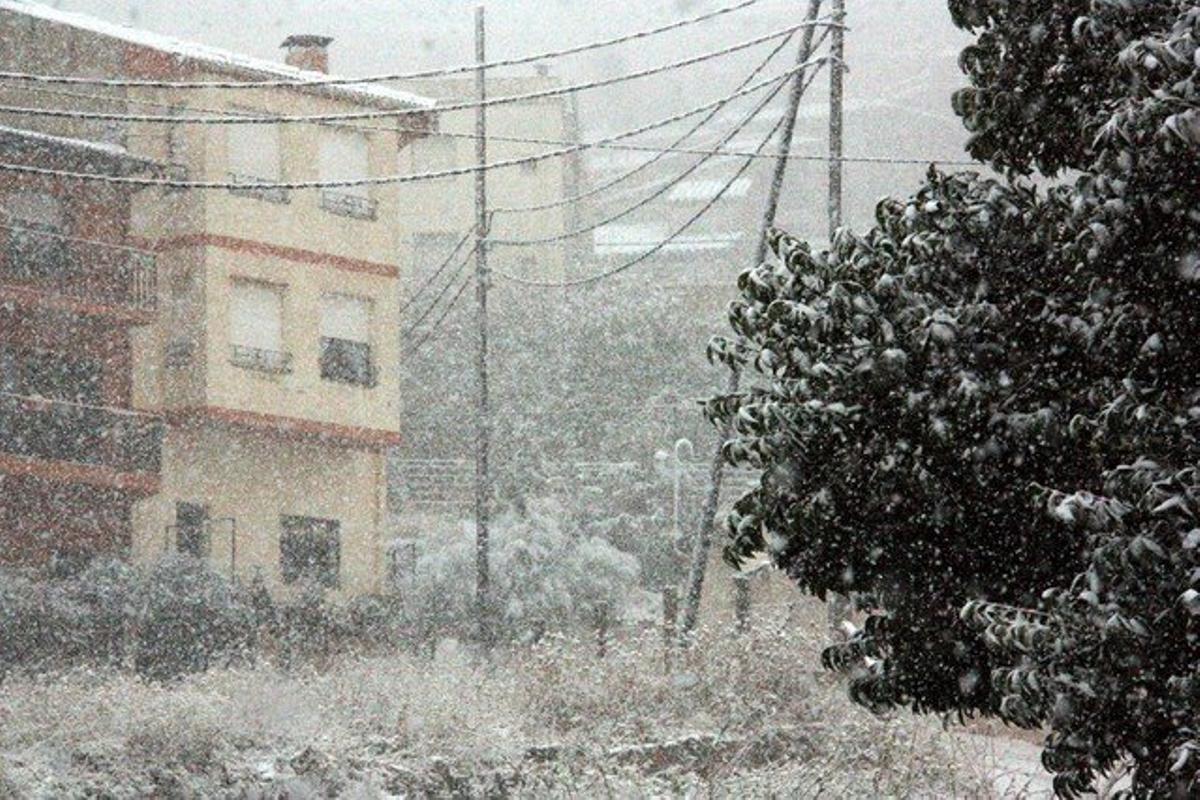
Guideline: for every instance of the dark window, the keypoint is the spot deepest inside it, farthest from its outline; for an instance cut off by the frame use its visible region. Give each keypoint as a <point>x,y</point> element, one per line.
<point>346,361</point>
<point>191,529</point>
<point>310,549</point>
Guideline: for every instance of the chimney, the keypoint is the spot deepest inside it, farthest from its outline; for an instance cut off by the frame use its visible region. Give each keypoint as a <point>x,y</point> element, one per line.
<point>308,51</point>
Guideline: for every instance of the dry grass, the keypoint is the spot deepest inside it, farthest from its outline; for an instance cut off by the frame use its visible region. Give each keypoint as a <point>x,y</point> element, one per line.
<point>742,717</point>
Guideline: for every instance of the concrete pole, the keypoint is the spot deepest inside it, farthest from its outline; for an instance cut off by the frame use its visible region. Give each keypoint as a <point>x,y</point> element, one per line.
<point>482,412</point>
<point>703,542</point>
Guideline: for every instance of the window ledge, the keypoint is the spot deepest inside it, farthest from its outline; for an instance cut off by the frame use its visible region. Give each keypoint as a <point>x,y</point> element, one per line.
<point>268,361</point>
<point>345,204</point>
<point>269,194</point>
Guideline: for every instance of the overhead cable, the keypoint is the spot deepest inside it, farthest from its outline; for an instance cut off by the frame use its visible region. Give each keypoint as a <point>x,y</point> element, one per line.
<point>662,189</point>
<point>608,184</point>
<point>349,116</point>
<point>173,183</point>
<point>682,229</point>
<point>315,81</point>
<point>441,268</point>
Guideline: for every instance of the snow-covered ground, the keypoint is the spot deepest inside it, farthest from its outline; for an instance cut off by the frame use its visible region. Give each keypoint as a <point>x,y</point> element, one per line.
<point>735,717</point>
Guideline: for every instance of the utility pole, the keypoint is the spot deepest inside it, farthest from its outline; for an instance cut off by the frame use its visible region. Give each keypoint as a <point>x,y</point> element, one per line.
<point>704,535</point>
<point>837,606</point>
<point>482,412</point>
<point>837,68</point>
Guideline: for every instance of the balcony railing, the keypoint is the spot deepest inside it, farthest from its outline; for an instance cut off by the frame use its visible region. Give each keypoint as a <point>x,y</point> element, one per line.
<point>53,430</point>
<point>348,204</point>
<point>98,273</point>
<point>259,359</point>
<point>250,188</point>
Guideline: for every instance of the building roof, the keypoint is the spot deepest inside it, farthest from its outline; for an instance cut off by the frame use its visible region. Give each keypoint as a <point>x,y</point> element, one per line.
<point>26,142</point>
<point>216,58</point>
<point>634,238</point>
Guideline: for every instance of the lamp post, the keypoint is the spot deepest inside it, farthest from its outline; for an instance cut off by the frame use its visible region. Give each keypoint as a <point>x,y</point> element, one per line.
<point>684,451</point>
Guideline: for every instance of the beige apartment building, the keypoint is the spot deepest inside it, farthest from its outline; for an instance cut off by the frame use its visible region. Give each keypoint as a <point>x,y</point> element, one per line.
<point>271,360</point>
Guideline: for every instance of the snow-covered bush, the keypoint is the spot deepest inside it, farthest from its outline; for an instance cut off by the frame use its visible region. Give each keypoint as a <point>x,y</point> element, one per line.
<point>542,576</point>
<point>188,617</point>
<point>39,623</point>
<point>923,394</point>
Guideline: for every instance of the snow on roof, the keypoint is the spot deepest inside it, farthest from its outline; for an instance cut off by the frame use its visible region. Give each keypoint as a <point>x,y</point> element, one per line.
<point>224,60</point>
<point>636,238</point>
<point>38,144</point>
<point>704,189</point>
<point>37,137</point>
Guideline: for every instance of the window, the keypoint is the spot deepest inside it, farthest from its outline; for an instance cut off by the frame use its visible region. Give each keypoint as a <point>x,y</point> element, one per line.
<point>310,549</point>
<point>191,529</point>
<point>345,156</point>
<point>254,158</point>
<point>346,340</point>
<point>256,327</point>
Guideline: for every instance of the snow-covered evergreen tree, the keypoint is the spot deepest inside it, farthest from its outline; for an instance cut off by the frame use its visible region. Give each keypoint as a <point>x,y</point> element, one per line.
<point>992,396</point>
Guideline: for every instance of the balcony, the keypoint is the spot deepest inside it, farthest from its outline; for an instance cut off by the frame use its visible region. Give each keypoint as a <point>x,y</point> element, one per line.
<point>100,275</point>
<point>347,204</point>
<point>256,358</point>
<point>249,187</point>
<point>51,430</point>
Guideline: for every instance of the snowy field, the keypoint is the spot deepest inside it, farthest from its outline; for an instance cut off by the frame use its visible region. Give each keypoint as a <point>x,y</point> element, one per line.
<point>751,718</point>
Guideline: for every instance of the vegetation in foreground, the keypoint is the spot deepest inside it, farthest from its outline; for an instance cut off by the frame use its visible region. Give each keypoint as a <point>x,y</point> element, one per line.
<point>551,719</point>
<point>982,417</point>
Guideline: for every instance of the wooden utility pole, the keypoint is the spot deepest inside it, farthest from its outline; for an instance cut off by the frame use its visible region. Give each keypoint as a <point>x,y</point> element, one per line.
<point>482,412</point>
<point>837,68</point>
<point>708,515</point>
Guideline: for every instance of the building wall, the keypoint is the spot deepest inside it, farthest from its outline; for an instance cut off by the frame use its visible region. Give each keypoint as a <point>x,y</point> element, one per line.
<point>255,479</point>
<point>205,240</point>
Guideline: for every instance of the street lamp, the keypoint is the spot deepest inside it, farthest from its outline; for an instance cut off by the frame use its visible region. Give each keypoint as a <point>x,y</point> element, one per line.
<point>684,451</point>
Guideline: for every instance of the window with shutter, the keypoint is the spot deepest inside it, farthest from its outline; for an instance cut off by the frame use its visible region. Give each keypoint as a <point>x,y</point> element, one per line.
<point>254,157</point>
<point>256,327</point>
<point>345,156</point>
<point>346,340</point>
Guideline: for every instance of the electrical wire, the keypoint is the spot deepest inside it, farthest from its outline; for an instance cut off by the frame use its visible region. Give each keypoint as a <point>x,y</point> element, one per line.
<point>462,265</point>
<point>606,185</point>
<point>315,81</point>
<point>348,116</point>
<point>438,322</point>
<point>708,206</point>
<point>172,183</point>
<point>441,268</point>
<point>661,190</point>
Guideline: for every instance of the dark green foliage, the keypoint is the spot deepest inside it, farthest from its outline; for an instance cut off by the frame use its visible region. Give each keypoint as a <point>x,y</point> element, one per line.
<point>189,616</point>
<point>993,397</point>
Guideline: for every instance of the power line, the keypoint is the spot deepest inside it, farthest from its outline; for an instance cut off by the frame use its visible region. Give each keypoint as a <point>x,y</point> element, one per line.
<point>392,179</point>
<point>708,206</point>
<point>441,268</point>
<point>606,185</point>
<point>399,76</point>
<point>403,112</point>
<point>438,322</point>
<point>462,265</point>
<point>657,150</point>
<point>661,190</point>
